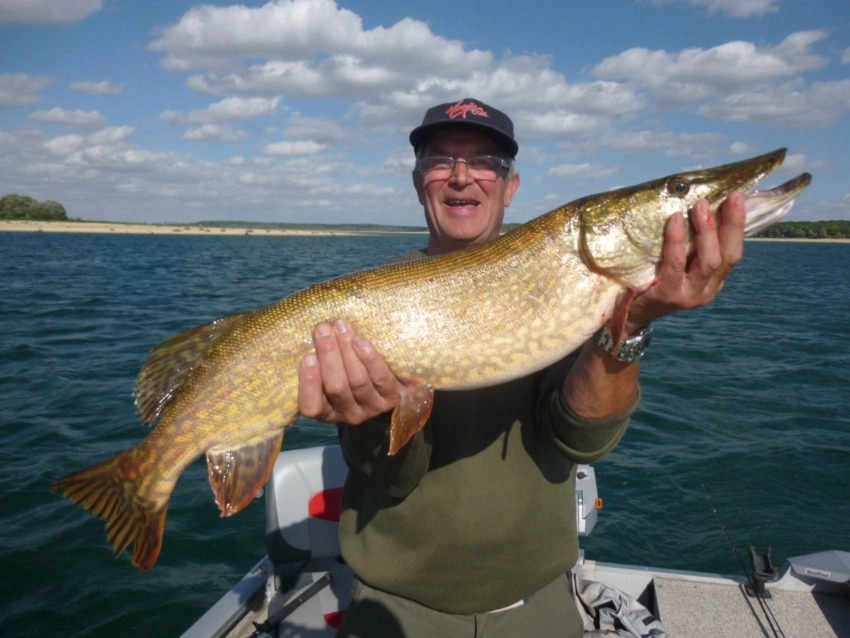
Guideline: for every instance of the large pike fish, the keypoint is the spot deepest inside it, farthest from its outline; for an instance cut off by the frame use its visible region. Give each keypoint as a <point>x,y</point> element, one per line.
<point>469,319</point>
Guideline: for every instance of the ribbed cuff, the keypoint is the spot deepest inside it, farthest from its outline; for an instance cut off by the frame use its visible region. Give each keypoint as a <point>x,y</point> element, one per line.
<point>582,439</point>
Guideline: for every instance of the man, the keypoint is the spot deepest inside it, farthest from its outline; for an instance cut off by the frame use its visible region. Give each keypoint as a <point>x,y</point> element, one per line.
<point>470,529</point>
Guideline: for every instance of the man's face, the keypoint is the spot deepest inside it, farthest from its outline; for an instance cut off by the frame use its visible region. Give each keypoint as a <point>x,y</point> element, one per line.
<point>460,210</point>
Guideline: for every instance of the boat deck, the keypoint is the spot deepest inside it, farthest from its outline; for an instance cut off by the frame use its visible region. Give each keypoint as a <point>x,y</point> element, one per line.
<point>689,604</point>
<point>695,605</point>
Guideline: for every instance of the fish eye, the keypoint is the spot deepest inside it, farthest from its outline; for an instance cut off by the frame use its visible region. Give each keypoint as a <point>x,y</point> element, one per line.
<point>678,187</point>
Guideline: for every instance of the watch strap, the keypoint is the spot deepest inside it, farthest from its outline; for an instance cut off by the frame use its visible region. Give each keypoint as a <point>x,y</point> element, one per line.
<point>629,349</point>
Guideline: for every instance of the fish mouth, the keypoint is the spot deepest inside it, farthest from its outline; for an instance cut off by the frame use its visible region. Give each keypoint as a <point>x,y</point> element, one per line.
<point>766,207</point>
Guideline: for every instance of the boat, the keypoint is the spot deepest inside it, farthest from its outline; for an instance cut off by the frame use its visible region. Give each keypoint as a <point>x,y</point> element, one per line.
<point>301,587</point>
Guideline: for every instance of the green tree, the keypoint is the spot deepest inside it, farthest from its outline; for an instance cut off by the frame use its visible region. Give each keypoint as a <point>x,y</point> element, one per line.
<point>833,229</point>
<point>14,206</point>
<point>49,210</point>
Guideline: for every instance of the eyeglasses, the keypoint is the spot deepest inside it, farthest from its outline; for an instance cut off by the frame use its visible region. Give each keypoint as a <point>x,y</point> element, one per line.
<point>480,167</point>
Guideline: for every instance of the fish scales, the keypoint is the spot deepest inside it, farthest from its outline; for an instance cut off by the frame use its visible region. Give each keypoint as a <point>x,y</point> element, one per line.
<point>485,315</point>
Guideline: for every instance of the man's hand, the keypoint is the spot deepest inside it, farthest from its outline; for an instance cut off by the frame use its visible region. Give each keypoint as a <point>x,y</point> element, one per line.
<point>688,281</point>
<point>597,385</point>
<point>346,381</point>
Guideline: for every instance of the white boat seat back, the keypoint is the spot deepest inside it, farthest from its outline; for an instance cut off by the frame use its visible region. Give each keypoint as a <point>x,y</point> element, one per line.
<point>302,504</point>
<point>303,501</point>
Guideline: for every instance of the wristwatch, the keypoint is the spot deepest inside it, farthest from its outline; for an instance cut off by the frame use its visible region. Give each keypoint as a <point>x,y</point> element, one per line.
<point>630,350</point>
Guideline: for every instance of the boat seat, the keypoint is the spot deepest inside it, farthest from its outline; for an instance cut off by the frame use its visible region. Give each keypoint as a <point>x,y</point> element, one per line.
<point>304,495</point>
<point>303,504</point>
<point>303,500</point>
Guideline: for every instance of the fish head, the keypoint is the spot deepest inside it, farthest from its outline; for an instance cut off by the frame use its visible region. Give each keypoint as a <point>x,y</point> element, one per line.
<point>622,231</point>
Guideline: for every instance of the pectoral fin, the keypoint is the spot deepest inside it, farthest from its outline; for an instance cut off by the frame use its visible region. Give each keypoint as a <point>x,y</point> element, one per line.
<point>238,474</point>
<point>410,414</point>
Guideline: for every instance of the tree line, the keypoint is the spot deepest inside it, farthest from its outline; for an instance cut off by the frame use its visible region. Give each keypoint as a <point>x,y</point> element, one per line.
<point>834,229</point>
<point>13,206</point>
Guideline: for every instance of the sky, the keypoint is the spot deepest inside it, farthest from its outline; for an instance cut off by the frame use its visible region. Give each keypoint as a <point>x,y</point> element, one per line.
<point>173,111</point>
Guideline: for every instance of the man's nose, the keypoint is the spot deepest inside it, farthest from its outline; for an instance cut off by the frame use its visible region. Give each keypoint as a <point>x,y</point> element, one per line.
<point>460,174</point>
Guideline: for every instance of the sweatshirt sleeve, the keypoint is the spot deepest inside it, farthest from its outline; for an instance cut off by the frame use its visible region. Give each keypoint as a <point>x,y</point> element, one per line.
<point>365,448</point>
<point>580,439</point>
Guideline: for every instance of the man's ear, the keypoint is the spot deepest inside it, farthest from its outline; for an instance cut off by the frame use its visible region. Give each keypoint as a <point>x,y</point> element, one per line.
<point>511,187</point>
<point>419,185</point>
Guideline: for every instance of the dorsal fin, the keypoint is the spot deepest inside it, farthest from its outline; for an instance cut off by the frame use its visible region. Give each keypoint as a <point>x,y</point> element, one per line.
<point>172,363</point>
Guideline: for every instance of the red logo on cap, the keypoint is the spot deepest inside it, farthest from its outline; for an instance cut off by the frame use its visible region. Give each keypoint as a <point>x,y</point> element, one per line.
<point>460,109</point>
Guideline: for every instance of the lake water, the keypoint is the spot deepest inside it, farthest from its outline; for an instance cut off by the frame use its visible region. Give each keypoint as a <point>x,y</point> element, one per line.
<point>749,398</point>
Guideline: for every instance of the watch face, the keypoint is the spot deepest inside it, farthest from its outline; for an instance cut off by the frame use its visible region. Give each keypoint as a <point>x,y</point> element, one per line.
<point>638,344</point>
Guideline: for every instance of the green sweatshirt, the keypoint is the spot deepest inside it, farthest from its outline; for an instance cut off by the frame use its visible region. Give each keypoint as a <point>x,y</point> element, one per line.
<point>478,510</point>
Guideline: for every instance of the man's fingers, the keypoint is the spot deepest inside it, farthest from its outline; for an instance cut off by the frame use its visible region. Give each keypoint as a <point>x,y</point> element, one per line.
<point>335,382</point>
<point>383,380</point>
<point>346,379</point>
<point>311,392</point>
<point>732,219</point>
<point>707,258</point>
<point>719,246</point>
<point>357,376</point>
<point>674,257</point>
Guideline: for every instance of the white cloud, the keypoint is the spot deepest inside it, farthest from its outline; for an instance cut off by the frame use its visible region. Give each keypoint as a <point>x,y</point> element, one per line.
<point>321,129</point>
<point>742,148</point>
<point>584,169</point>
<point>47,12</point>
<point>559,109</point>
<point>789,105</point>
<point>301,147</point>
<point>7,139</point>
<point>335,76</point>
<point>558,124</point>
<point>695,74</point>
<point>20,89</point>
<point>315,49</point>
<point>737,81</point>
<point>104,87</point>
<point>795,162</point>
<point>83,119</point>
<point>228,110</point>
<point>310,48</point>
<point>832,208</point>
<point>111,135</point>
<point>210,37</point>
<point>732,8</point>
<point>694,146</point>
<point>64,144</point>
<point>98,144</point>
<point>214,133</point>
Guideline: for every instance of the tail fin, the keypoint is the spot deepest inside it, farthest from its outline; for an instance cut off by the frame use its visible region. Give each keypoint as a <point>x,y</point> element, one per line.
<point>109,491</point>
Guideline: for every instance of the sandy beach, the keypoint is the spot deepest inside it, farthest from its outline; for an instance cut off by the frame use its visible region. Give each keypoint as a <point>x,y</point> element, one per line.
<point>120,228</point>
<point>159,229</point>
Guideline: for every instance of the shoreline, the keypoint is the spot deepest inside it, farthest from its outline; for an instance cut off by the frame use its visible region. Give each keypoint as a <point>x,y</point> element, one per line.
<point>122,228</point>
<point>808,240</point>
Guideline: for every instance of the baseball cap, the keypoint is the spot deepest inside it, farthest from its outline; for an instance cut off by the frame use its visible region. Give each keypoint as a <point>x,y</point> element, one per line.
<point>470,114</point>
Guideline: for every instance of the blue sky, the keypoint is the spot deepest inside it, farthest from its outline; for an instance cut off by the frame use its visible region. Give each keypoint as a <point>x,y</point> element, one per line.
<point>299,110</point>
